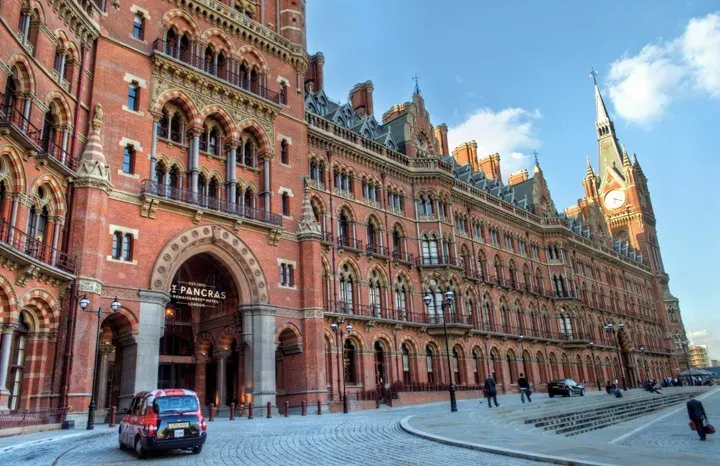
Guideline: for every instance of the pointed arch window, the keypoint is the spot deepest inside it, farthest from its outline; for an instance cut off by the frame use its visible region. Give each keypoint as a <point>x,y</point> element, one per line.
<point>429,246</point>
<point>401,292</point>
<point>350,370</point>
<point>429,356</point>
<point>17,367</point>
<point>407,374</point>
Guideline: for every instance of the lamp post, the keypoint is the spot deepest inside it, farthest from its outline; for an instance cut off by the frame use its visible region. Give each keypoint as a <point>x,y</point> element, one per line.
<point>592,350</point>
<point>611,328</point>
<point>114,306</point>
<point>642,363</point>
<point>685,348</point>
<point>446,304</point>
<point>522,354</point>
<point>334,326</point>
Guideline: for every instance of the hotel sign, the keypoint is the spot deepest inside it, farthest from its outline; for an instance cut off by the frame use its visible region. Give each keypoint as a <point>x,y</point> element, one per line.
<point>196,294</point>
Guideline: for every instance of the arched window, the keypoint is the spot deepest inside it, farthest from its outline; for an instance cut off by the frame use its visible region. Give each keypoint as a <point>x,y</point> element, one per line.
<point>37,222</point>
<point>397,243</point>
<point>429,246</point>
<point>375,294</point>
<point>476,367</point>
<point>429,356</point>
<point>346,289</point>
<point>512,365</point>
<point>371,237</point>
<point>457,368</point>
<point>407,373</point>
<point>380,377</point>
<point>17,362</point>
<point>344,231</point>
<point>349,363</point>
<point>401,291</point>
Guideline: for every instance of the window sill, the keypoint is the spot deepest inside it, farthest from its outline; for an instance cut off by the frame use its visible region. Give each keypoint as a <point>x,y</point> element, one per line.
<point>285,287</point>
<point>136,112</point>
<point>134,176</point>
<point>120,261</point>
<point>142,41</point>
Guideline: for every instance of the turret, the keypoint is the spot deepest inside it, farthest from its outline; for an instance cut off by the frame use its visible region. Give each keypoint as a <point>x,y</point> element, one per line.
<point>291,21</point>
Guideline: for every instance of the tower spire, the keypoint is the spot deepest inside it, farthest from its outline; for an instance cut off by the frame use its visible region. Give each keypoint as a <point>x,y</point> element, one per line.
<point>588,167</point>
<point>601,114</point>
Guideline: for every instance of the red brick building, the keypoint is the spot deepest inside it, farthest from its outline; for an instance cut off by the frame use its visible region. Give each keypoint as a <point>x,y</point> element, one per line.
<point>183,158</point>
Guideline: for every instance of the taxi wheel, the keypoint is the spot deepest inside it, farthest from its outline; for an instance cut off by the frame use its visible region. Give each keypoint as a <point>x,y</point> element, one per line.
<point>196,450</point>
<point>141,452</point>
<point>122,445</point>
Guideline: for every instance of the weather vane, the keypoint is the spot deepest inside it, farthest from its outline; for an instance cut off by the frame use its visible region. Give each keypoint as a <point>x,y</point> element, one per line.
<point>416,78</point>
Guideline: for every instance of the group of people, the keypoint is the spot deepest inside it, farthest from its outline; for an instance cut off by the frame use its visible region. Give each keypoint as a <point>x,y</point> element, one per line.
<point>695,409</point>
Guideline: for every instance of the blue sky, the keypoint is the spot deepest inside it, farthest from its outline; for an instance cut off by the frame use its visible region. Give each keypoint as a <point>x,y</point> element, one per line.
<point>514,77</point>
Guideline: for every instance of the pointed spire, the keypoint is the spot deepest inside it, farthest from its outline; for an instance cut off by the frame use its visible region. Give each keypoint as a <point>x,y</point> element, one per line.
<point>92,170</point>
<point>601,113</point>
<point>308,227</point>
<point>588,167</point>
<point>536,167</point>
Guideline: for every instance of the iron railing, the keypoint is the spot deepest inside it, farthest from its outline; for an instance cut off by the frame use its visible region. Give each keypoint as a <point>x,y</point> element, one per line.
<point>377,249</point>
<point>224,70</point>
<point>62,156</point>
<point>14,117</point>
<point>21,241</point>
<point>31,417</point>
<point>209,202</point>
<point>347,242</point>
<point>440,260</point>
<point>403,256</point>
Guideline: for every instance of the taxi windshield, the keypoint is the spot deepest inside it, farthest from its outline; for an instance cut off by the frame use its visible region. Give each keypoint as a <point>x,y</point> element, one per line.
<point>175,404</point>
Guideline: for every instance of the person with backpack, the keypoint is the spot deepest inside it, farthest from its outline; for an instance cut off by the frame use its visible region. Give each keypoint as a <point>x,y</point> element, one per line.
<point>524,388</point>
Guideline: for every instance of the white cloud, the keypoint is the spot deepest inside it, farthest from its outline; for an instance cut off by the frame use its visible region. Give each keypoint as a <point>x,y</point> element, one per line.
<point>509,132</point>
<point>704,333</point>
<point>642,86</point>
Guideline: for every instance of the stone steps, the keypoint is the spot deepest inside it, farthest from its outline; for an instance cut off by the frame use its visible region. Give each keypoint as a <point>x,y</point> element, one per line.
<point>586,420</point>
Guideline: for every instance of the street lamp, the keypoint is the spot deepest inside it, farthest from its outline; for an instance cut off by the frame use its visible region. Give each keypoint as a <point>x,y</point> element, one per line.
<point>642,359</point>
<point>334,326</point>
<point>446,304</point>
<point>610,328</point>
<point>114,306</point>
<point>522,354</point>
<point>591,345</point>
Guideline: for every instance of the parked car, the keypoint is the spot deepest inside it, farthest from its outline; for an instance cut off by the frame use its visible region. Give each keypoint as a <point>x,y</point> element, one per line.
<point>565,387</point>
<point>160,420</point>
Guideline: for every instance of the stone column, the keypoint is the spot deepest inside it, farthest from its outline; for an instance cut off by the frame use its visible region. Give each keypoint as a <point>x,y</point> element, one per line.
<point>56,239</point>
<point>151,327</point>
<point>64,143</point>
<point>105,351</point>
<point>259,336</point>
<point>200,366</point>
<point>194,159</point>
<point>221,377</point>
<point>231,176</point>
<point>153,146</point>
<point>266,181</point>
<point>7,338</point>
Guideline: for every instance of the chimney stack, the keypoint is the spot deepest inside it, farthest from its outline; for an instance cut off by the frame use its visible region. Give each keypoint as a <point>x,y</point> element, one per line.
<point>466,153</point>
<point>441,135</point>
<point>490,165</point>
<point>314,77</point>
<point>518,177</point>
<point>361,98</point>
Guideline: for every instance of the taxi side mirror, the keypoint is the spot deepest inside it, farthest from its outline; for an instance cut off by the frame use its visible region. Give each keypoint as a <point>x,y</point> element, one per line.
<point>156,408</point>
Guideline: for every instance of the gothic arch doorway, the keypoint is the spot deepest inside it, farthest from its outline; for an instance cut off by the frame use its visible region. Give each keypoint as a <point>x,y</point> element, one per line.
<point>210,295</point>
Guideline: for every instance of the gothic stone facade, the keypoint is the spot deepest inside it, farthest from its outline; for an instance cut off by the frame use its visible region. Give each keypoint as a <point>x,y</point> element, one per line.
<point>151,145</point>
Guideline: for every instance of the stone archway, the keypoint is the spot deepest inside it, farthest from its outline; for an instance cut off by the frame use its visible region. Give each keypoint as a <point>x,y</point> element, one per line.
<point>257,338</point>
<point>243,264</point>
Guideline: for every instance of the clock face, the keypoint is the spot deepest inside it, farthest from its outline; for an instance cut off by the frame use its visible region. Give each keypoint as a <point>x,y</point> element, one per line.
<point>614,199</point>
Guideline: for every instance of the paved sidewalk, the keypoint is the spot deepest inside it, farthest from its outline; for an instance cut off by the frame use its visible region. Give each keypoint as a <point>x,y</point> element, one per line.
<point>477,428</point>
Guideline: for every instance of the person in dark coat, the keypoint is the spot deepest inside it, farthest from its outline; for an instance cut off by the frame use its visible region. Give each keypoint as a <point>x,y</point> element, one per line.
<point>524,386</point>
<point>490,390</point>
<point>696,412</point>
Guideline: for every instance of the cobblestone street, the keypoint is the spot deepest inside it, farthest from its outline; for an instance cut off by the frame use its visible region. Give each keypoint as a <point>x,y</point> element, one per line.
<point>672,433</point>
<point>364,437</point>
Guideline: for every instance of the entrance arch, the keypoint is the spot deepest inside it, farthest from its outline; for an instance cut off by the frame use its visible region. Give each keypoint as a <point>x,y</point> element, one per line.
<point>226,246</point>
<point>228,361</point>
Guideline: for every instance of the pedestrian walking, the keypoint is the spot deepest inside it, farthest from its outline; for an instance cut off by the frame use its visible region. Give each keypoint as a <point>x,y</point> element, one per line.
<point>491,390</point>
<point>696,412</point>
<point>524,388</point>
